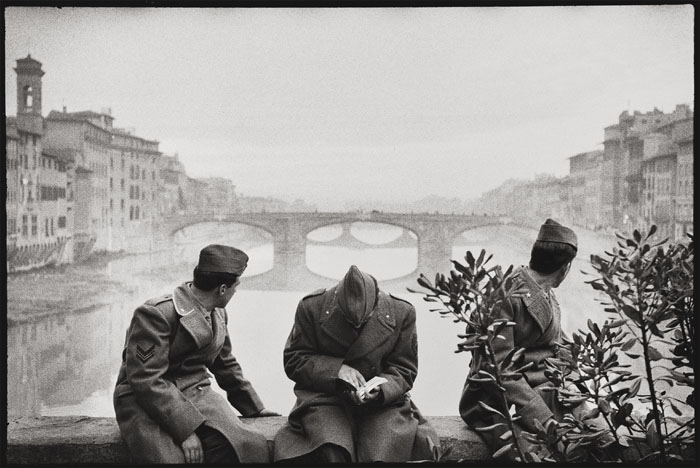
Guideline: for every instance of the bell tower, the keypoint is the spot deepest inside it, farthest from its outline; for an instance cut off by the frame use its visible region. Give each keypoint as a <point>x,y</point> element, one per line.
<point>29,75</point>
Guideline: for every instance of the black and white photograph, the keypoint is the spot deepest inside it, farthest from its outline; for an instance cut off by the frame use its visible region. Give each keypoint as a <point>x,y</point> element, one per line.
<point>234,233</point>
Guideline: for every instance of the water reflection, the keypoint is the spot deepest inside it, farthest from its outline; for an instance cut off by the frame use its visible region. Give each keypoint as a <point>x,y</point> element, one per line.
<point>62,359</point>
<point>386,251</point>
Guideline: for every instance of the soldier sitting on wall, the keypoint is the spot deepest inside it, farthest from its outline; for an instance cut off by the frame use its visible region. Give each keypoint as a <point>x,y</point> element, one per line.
<point>164,404</point>
<point>537,329</point>
<point>341,338</point>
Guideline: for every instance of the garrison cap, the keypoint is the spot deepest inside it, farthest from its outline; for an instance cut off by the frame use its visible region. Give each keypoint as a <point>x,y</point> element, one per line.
<point>551,231</point>
<point>357,295</point>
<point>217,258</point>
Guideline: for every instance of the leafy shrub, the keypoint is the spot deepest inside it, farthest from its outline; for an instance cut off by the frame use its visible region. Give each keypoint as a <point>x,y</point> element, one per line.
<point>649,289</point>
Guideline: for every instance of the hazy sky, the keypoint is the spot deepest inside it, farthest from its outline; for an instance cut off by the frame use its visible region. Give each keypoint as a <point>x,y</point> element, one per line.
<point>331,105</point>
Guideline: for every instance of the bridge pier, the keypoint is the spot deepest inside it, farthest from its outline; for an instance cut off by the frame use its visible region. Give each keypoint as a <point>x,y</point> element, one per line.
<point>289,254</point>
<point>434,249</point>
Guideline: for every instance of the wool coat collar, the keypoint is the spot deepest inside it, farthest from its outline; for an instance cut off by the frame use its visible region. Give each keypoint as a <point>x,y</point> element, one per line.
<point>193,316</point>
<point>537,300</point>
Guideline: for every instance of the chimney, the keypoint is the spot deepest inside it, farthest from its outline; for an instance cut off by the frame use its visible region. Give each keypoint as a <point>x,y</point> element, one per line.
<point>65,110</point>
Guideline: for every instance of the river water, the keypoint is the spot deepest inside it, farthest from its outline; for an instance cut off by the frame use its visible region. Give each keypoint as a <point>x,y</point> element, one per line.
<point>67,363</point>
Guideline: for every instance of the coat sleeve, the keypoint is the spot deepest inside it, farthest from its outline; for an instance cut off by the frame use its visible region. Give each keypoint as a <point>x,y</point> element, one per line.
<point>535,376</point>
<point>147,361</point>
<point>229,376</point>
<point>528,403</point>
<point>303,362</point>
<point>401,365</point>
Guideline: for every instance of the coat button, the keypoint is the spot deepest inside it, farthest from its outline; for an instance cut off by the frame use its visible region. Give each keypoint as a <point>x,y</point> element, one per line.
<point>387,316</point>
<point>327,312</point>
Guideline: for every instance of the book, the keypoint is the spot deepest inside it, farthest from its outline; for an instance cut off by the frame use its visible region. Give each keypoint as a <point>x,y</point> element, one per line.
<point>373,383</point>
<point>365,389</point>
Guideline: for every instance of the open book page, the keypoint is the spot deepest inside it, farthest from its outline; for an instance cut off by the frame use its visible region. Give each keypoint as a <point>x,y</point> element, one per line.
<point>374,382</point>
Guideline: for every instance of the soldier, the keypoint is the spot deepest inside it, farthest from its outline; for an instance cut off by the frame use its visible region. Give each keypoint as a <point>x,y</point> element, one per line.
<point>351,333</point>
<point>538,329</point>
<point>164,404</point>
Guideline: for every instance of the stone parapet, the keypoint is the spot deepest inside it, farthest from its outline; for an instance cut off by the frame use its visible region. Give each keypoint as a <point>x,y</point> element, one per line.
<point>85,440</point>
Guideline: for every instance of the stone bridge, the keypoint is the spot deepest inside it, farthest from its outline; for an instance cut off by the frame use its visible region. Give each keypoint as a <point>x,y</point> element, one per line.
<point>434,232</point>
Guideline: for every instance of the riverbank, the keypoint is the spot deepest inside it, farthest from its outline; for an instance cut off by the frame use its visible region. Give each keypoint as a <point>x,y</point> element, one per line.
<point>34,294</point>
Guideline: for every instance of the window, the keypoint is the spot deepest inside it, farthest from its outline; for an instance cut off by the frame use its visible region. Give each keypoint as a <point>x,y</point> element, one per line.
<point>131,212</point>
<point>122,184</point>
<point>61,222</point>
<point>35,226</point>
<point>25,229</point>
<point>28,97</point>
<point>143,174</point>
<point>136,213</point>
<point>111,184</point>
<point>122,203</point>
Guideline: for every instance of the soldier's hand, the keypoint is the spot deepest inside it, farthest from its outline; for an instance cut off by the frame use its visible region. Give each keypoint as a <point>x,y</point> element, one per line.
<point>372,395</point>
<point>351,375</point>
<point>192,448</point>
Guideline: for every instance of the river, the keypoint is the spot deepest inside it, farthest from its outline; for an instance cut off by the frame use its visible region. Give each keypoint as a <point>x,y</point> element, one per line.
<point>66,363</point>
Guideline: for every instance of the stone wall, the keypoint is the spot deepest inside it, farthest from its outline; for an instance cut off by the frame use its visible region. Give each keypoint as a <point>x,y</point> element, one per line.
<point>85,440</point>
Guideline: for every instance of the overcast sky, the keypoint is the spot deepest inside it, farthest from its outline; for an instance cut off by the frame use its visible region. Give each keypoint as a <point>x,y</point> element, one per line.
<point>331,105</point>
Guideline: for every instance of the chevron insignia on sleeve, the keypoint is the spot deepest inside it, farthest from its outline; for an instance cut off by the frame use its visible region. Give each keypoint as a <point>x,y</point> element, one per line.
<point>145,354</point>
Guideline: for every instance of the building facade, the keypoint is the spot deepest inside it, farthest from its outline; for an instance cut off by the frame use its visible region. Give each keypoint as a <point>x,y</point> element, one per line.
<point>37,228</point>
<point>172,182</point>
<point>220,194</point>
<point>682,135</point>
<point>585,197</point>
<point>116,184</point>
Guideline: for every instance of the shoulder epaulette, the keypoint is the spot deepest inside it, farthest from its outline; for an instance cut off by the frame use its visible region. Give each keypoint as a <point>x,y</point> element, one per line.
<point>401,299</point>
<point>318,292</point>
<point>164,298</point>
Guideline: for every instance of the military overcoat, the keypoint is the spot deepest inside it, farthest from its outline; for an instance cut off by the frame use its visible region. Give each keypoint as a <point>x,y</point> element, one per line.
<point>391,429</point>
<point>163,390</point>
<point>537,329</point>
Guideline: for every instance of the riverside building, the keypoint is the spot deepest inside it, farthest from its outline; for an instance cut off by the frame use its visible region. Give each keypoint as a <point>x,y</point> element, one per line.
<point>37,210</point>
<point>115,180</point>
